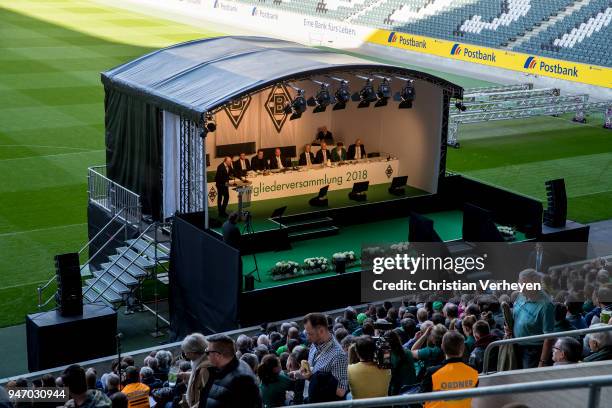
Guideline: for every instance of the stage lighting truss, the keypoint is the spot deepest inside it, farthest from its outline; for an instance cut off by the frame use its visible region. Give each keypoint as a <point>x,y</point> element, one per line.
<point>497,89</point>
<point>579,108</point>
<point>485,106</point>
<point>407,95</point>
<point>366,95</point>
<point>342,94</point>
<point>322,99</point>
<point>506,95</point>
<point>298,105</point>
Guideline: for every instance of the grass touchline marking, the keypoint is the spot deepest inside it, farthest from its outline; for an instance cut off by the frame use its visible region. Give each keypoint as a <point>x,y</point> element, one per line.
<point>50,155</point>
<point>44,146</point>
<point>8,234</point>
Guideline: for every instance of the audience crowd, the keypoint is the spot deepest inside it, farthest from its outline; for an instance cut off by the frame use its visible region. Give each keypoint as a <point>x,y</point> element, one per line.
<point>427,343</point>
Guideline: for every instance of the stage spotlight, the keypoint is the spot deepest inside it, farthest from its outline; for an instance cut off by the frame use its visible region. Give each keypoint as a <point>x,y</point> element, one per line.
<point>343,95</point>
<point>384,92</point>
<point>460,106</point>
<point>322,99</point>
<point>297,106</point>
<point>407,95</point>
<point>366,95</point>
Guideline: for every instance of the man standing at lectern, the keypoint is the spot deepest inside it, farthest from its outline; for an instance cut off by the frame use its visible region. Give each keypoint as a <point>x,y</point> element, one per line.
<point>224,172</point>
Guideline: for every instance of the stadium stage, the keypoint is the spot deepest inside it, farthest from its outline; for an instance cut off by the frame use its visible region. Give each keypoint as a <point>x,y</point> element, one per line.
<point>189,106</point>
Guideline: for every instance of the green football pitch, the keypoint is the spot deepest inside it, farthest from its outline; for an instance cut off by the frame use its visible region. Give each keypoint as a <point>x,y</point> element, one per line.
<point>52,129</point>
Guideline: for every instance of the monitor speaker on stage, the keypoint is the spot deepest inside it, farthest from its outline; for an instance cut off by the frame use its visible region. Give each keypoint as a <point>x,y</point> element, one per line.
<point>69,295</point>
<point>359,191</point>
<point>321,199</point>
<point>398,185</point>
<point>556,214</point>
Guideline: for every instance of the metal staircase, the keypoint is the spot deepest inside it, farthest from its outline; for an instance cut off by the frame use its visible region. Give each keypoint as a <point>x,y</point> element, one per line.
<point>119,280</point>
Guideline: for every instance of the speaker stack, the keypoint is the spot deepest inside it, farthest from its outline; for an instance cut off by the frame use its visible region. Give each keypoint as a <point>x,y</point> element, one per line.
<point>556,213</point>
<point>69,296</point>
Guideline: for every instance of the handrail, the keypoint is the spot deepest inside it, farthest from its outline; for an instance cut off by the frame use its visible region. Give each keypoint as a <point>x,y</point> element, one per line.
<point>115,262</point>
<point>101,230</point>
<point>594,384</point>
<point>569,333</point>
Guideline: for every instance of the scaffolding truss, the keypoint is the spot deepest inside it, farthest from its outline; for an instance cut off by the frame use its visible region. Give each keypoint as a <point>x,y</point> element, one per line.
<point>497,89</point>
<point>507,95</point>
<point>192,167</point>
<point>484,106</point>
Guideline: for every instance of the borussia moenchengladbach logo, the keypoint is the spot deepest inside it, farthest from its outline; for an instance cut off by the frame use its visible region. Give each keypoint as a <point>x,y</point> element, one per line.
<point>236,110</point>
<point>275,104</point>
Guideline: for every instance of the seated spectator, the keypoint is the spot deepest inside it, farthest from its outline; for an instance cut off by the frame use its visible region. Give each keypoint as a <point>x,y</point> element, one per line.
<point>438,318</point>
<point>292,334</point>
<point>427,349</point>
<point>263,340</point>
<point>574,312</point>
<point>603,300</point>
<point>406,330</point>
<point>74,378</point>
<point>340,334</point>
<point>366,379</point>
<point>566,350</point>
<point>403,374</point>
<point>600,344</point>
<point>467,325</point>
<point>233,382</point>
<point>252,360</point>
<point>274,382</point>
<point>164,360</point>
<point>91,376</point>
<point>261,351</point>
<point>136,392</point>
<point>483,337</point>
<point>561,322</point>
<point>194,348</point>
<point>147,377</point>
<point>112,384</point>
<point>119,400</point>
<point>450,311</point>
<point>422,316</point>
<point>243,344</point>
<point>452,374</point>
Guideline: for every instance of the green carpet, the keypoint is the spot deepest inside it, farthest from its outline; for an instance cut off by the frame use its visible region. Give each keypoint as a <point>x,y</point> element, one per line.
<point>350,238</point>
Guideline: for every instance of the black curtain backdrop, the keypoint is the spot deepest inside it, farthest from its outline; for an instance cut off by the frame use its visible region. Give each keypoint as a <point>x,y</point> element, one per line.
<point>134,147</point>
<point>204,281</point>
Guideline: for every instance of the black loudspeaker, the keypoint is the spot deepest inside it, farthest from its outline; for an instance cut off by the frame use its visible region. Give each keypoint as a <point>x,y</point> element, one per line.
<point>55,340</point>
<point>556,213</point>
<point>69,295</point>
<point>249,283</point>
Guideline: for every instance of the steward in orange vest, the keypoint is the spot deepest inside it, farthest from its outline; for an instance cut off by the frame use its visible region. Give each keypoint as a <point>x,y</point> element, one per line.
<point>136,392</point>
<point>452,374</point>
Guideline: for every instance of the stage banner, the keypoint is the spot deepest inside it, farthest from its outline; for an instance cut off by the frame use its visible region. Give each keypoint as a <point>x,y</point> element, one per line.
<point>310,181</point>
<point>516,61</point>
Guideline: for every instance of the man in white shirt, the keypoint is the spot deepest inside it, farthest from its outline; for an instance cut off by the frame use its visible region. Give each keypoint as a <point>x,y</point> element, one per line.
<point>242,165</point>
<point>323,155</point>
<point>278,161</point>
<point>356,151</point>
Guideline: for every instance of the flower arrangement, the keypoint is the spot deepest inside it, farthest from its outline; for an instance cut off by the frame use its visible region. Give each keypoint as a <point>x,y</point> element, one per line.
<point>507,232</point>
<point>285,270</point>
<point>314,265</point>
<point>348,257</point>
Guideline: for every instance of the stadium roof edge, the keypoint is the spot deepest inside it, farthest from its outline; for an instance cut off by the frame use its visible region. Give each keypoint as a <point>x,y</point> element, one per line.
<point>199,76</point>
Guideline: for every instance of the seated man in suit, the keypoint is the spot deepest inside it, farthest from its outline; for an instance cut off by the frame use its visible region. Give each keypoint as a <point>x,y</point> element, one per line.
<point>222,177</point>
<point>356,151</point>
<point>278,162</point>
<point>231,232</point>
<point>307,158</point>
<point>242,165</point>
<point>258,162</point>
<point>323,155</point>
<point>324,135</point>
<point>339,153</point>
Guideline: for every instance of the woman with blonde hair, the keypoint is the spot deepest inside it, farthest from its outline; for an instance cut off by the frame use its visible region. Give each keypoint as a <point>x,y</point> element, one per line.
<point>194,349</point>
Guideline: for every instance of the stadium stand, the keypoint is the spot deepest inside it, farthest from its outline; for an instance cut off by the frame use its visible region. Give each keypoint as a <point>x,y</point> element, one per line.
<point>550,28</point>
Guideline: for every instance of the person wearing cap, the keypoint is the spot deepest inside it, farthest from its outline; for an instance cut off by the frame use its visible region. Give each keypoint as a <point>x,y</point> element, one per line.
<point>533,314</point>
<point>437,306</point>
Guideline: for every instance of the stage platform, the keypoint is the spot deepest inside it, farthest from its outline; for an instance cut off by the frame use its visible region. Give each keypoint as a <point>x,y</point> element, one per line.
<point>262,210</point>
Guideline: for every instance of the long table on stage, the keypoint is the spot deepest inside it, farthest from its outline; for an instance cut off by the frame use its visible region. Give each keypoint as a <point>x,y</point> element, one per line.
<point>307,180</point>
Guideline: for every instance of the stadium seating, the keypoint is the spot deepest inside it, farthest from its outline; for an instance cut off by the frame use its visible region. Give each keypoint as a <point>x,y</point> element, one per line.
<point>566,29</point>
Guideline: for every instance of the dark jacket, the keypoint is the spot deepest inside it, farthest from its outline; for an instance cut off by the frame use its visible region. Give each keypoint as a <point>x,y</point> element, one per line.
<point>325,137</point>
<point>603,354</point>
<point>231,387</point>
<point>231,234</point>
<point>258,164</point>
<point>274,163</point>
<point>238,168</point>
<point>303,158</point>
<point>319,156</point>
<point>477,355</point>
<point>351,152</point>
<point>223,175</point>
